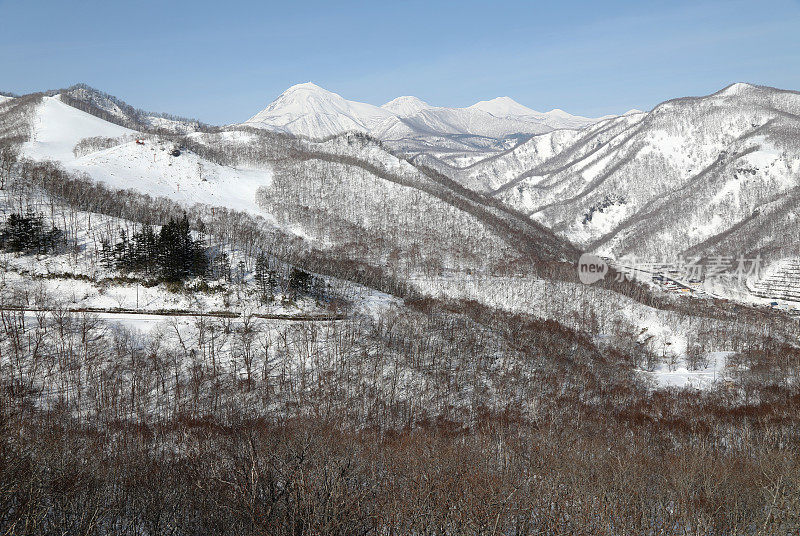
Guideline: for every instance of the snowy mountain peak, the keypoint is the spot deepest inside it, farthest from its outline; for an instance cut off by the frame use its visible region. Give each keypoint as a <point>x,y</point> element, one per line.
<point>504,107</point>
<point>557,112</point>
<point>306,97</point>
<point>508,108</point>
<point>309,86</point>
<point>311,111</point>
<point>308,90</point>
<point>406,106</point>
<point>736,89</point>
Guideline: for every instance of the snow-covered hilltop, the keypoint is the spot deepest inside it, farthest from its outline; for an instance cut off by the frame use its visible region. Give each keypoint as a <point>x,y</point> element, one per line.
<point>411,125</point>
<point>406,106</point>
<point>116,111</point>
<point>124,158</point>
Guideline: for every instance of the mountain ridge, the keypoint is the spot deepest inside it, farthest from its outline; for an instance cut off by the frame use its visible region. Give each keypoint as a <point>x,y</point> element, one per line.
<point>688,177</point>
<point>409,124</point>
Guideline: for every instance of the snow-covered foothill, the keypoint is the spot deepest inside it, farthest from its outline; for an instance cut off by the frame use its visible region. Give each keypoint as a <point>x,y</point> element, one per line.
<point>140,162</point>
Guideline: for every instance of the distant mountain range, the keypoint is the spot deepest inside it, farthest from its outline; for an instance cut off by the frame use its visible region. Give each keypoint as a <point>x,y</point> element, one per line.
<point>718,174</point>
<point>711,175</point>
<point>411,125</point>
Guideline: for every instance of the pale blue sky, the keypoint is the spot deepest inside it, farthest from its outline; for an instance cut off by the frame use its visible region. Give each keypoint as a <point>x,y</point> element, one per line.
<point>223,61</point>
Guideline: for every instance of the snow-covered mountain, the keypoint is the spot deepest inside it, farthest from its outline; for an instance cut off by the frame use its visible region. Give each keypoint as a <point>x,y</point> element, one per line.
<point>228,166</point>
<point>406,106</point>
<point>698,175</point>
<point>508,108</point>
<point>309,110</point>
<point>718,174</point>
<point>411,125</point>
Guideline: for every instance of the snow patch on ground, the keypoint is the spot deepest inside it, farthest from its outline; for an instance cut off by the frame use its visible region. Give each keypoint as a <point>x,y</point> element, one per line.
<point>150,168</point>
<point>680,376</point>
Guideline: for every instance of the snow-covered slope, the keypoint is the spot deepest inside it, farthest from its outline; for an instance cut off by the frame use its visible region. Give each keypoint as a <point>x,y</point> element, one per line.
<point>147,165</point>
<point>411,125</point>
<point>165,166</point>
<point>57,128</point>
<point>704,175</point>
<point>456,121</point>
<point>509,168</point>
<point>715,174</point>
<point>352,178</point>
<point>151,168</point>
